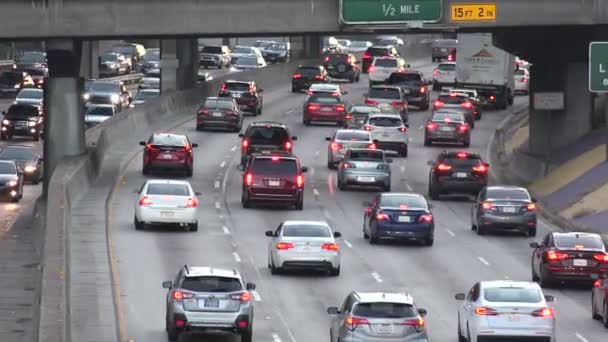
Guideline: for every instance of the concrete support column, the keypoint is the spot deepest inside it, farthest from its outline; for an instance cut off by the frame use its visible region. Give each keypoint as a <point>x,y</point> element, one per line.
<point>168,65</point>
<point>550,130</point>
<point>64,126</point>
<point>312,46</point>
<point>188,59</point>
<point>89,66</point>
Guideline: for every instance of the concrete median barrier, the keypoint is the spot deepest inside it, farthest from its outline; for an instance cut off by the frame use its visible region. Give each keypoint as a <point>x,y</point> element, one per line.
<point>79,291</point>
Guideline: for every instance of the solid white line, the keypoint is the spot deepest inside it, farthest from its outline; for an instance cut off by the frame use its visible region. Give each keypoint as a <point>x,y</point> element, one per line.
<point>402,169</point>
<point>315,192</point>
<point>233,148</point>
<point>276,338</point>
<point>450,232</point>
<point>216,184</point>
<point>409,187</point>
<point>222,164</point>
<point>218,205</point>
<point>226,230</point>
<point>377,277</point>
<point>581,337</point>
<point>348,244</point>
<point>483,261</point>
<point>256,296</point>
<point>236,256</point>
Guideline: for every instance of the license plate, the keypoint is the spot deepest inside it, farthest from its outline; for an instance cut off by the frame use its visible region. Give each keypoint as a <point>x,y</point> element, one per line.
<point>326,109</point>
<point>580,262</point>
<point>274,183</point>
<point>212,303</point>
<point>509,209</point>
<point>405,219</point>
<point>166,214</point>
<point>236,95</point>
<point>167,156</point>
<point>446,129</point>
<point>217,114</point>
<point>461,175</point>
<point>513,317</point>
<point>366,179</point>
<point>385,329</point>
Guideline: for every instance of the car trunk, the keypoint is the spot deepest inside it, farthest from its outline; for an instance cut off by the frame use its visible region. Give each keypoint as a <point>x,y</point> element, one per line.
<point>168,153</point>
<point>517,316</point>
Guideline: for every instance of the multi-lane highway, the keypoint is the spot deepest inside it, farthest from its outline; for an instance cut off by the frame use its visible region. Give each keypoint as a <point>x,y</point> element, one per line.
<point>292,308</point>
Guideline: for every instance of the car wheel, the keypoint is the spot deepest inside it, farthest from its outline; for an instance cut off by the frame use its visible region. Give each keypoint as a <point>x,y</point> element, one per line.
<point>138,224</point>
<point>331,165</point>
<point>534,276</point>
<point>341,186</point>
<point>36,137</point>
<point>199,127</point>
<point>341,124</point>
<point>245,201</point>
<point>358,77</point>
<point>260,111</point>
<point>300,203</point>
<point>334,272</point>
<point>429,241</point>
<point>542,280</point>
<point>460,337</point>
<point>387,188</point>
<point>436,87</point>
<point>427,142</point>
<point>425,106</point>
<point>352,79</point>
<point>466,143</point>
<point>373,240</point>
<point>16,199</point>
<point>306,122</point>
<point>274,269</point>
<point>193,227</point>
<point>172,334</point>
<point>294,89</point>
<point>472,124</point>
<point>2,137</point>
<point>481,230</point>
<point>365,236</point>
<point>189,172</point>
<point>594,313</point>
<point>145,170</point>
<point>531,232</point>
<point>605,315</point>
<point>433,193</point>
<point>36,179</point>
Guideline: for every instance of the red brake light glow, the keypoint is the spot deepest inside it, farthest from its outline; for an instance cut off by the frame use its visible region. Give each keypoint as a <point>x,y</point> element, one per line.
<point>275,158</point>
<point>249,179</point>
<point>223,88</point>
<point>426,218</point>
<point>371,102</point>
<point>288,145</point>
<point>335,146</point>
<point>367,55</point>
<point>402,129</point>
<point>601,258</point>
<point>371,68</point>
<point>297,75</point>
<point>330,246</point>
<point>485,311</point>
<point>300,181</point>
<point>438,103</point>
<point>340,108</point>
<point>466,104</point>
<point>492,97</point>
<point>397,104</point>
<point>179,295</point>
<point>553,255</point>
<point>597,283</point>
<point>488,206</point>
<point>381,217</point>
<point>191,203</point>
<point>480,168</point>
<point>150,147</point>
<point>319,77</point>
<point>463,128</point>
<point>444,167</point>
<point>462,155</point>
<point>422,90</point>
<point>419,322</point>
<point>352,322</point>
<point>447,120</point>
<point>368,127</point>
<point>372,146</point>
<point>531,207</point>
<point>245,143</point>
<point>546,312</point>
<point>431,125</point>
<point>313,107</point>
<point>145,201</point>
<point>327,59</point>
<point>243,297</point>
<point>285,245</point>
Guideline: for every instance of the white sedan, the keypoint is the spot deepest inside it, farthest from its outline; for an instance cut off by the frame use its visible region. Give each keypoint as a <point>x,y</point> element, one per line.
<point>522,81</point>
<point>166,202</point>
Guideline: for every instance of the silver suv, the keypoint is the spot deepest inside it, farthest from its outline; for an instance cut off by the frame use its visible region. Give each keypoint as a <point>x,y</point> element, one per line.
<point>377,316</point>
<point>206,298</point>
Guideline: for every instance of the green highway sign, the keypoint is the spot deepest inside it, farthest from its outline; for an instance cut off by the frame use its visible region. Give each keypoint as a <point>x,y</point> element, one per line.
<point>598,67</point>
<point>389,11</point>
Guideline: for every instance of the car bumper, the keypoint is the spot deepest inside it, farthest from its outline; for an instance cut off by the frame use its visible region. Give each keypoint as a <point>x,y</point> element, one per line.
<point>521,87</point>
<point>373,77</point>
<point>329,117</point>
<point>447,136</point>
<point>443,80</point>
<point>463,186</point>
<point>413,100</point>
<point>391,145</point>
<point>529,334</point>
<point>561,273</point>
<point>9,191</point>
<point>356,337</point>
<point>364,178</point>
<point>504,222</point>
<point>303,84</point>
<point>157,216</point>
<point>341,75</point>
<point>217,122</point>
<point>263,195</point>
<point>167,165</point>
<point>206,62</point>
<point>31,176</point>
<point>20,131</point>
<point>317,260</point>
<point>409,231</point>
<point>201,321</point>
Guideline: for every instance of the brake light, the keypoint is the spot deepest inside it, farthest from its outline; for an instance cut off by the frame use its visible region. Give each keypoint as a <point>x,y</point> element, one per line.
<point>426,218</point>
<point>463,128</point>
<point>368,127</point>
<point>531,207</point>
<point>485,311</point>
<point>444,167</point>
<point>438,103</point>
<point>525,79</point>
<point>145,201</point>
<point>223,88</point>
<point>319,77</point>
<point>330,246</point>
<point>352,322</point>
<point>203,112</point>
<point>340,108</point>
<point>371,102</point>
<point>545,313</point>
<point>351,59</point>
<point>397,104</point>
<point>371,146</point>
<point>243,297</point>
<point>288,145</point>
<point>466,104</point>
<point>419,322</point>
<point>297,75</point>
<point>327,59</point>
<point>601,258</point>
<point>402,129</point>
<point>371,68</point>
<point>422,90</point>
<point>462,155</point>
<point>313,107</point>
<point>488,206</point>
<point>480,168</point>
<point>180,323</point>
<point>245,143</point>
<point>597,283</point>
<point>274,158</point>
<point>187,148</point>
<point>492,97</point>
<point>335,146</point>
<point>300,181</point>
<point>179,295</point>
<point>285,245</point>
<point>191,203</point>
<point>367,55</point>
<point>151,148</point>
<point>450,58</point>
<point>348,116</point>
<point>431,125</point>
<point>382,217</point>
<point>249,179</point>
<point>553,255</point>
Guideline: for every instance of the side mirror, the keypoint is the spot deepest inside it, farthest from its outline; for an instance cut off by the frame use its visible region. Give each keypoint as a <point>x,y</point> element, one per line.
<point>406,125</point>
<point>332,310</point>
<point>460,296</point>
<point>142,143</point>
<point>198,193</point>
<point>328,138</point>
<point>167,284</point>
<point>269,233</point>
<point>388,160</point>
<point>241,135</point>
<point>294,138</point>
<point>430,163</point>
<point>422,312</point>
<point>250,286</point>
<point>194,145</point>
<point>534,244</point>
<point>549,298</point>
<point>304,169</point>
<point>337,234</point>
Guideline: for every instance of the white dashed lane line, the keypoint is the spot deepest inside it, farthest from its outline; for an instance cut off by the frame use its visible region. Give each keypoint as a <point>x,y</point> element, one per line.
<point>348,244</point>
<point>377,277</point>
<point>276,338</point>
<point>315,192</point>
<point>233,148</point>
<point>222,164</point>
<point>236,256</point>
<point>218,205</point>
<point>226,230</point>
<point>483,261</point>
<point>216,184</point>
<point>450,232</point>
<point>581,337</point>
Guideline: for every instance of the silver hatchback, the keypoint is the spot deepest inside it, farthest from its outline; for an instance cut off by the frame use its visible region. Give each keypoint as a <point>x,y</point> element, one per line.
<point>206,298</point>
<point>378,317</point>
<point>343,140</point>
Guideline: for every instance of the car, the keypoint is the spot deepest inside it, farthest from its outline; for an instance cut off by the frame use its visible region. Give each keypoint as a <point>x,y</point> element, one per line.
<point>31,60</point>
<point>219,112</point>
<point>599,300</point>
<point>389,40</point>
<point>501,207</point>
<point>356,115</point>
<point>163,202</point>
<point>217,56</point>
<point>203,76</point>
<point>262,45</point>
<point>376,51</point>
<point>444,75</point>
<point>358,47</point>
<point>388,132</point>
<point>11,82</point>
<point>150,61</point>
<point>38,75</point>
<point>132,52</point>
<point>244,51</point>
<point>278,52</point>
<point>324,109</point>
<point>342,66</point>
<point>305,76</point>
<point>456,101</point>
<point>364,167</point>
<point>378,317</point>
<point>382,67</point>
<point>144,96</point>
<point>265,136</point>
<point>505,310</point>
<point>414,85</point>
<point>344,43</point>
<point>572,256</point>
<point>247,94</point>
<point>343,140</point>
<point>326,89</point>
<point>28,162</point>
<point>522,63</point>
<point>275,177</point>
<point>108,92</point>
<point>389,99</point>
<point>457,172</point>
<point>208,298</point>
<point>22,120</point>
<point>441,49</point>
<point>147,82</point>
<point>113,64</point>
<point>447,126</point>
<point>94,114</point>
<point>249,62</point>
<point>303,245</point>
<point>30,96</point>
<point>473,97</point>
<point>166,151</point>
<point>11,181</point>
<point>522,81</point>
<point>155,73</point>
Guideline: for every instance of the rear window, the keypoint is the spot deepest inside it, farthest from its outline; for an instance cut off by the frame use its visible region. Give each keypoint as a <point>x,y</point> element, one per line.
<point>366,155</point>
<point>22,111</point>
<point>386,121</point>
<point>125,50</point>
<point>247,61</point>
<point>574,242</point>
<point>266,166</point>
<point>462,162</point>
<point>30,94</point>
<point>101,111</point>
<point>336,57</point>
<point>242,50</point>
<point>353,136</point>
<point>212,49</point>
<point>447,67</point>
<point>169,140</point>
<point>36,72</point>
<point>104,87</point>
<point>384,310</point>
<point>508,194</point>
<point>385,93</point>
<point>400,201</point>
<point>211,284</point>
<point>404,78</point>
<point>168,189</point>
<point>364,109</point>
<point>378,51</point>
<point>386,63</point>
<point>520,72</point>
<point>7,168</point>
<point>445,43</point>
<point>310,230</point>
<point>221,104</point>
<point>449,116</point>
<point>513,295</point>
<point>308,71</point>
<point>267,136</point>
<point>448,99</point>
<point>325,99</point>
<point>237,86</point>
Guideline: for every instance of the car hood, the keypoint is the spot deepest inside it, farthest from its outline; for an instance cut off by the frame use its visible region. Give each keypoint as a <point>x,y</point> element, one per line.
<point>29,101</point>
<point>96,118</point>
<point>21,163</point>
<point>5,178</point>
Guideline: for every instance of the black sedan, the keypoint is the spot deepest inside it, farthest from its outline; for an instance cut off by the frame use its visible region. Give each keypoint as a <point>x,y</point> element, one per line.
<point>28,161</point>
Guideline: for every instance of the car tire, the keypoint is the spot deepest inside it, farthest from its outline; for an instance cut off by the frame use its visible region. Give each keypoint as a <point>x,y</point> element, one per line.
<point>2,137</point>
<point>246,336</point>
<point>531,232</point>
<point>334,272</point>
<point>306,122</point>
<point>300,203</point>
<point>341,124</point>
<point>481,230</point>
<point>294,89</point>
<point>373,240</point>
<point>16,199</point>
<point>425,106</point>
<point>193,227</point>
<point>259,111</point>
<point>594,313</point>
<point>36,179</point>
<point>199,127</point>
<point>138,224</point>
<point>245,201</point>
<point>472,124</point>
<point>358,77</point>
<point>436,86</point>
<point>387,188</point>
<point>331,165</point>
<point>273,269</point>
<point>467,143</point>
<point>433,193</point>
<point>534,277</point>
<point>145,170</point>
<point>605,314</point>
<point>365,236</point>
<point>352,79</point>
<point>36,137</point>
<point>460,337</point>
<point>427,142</point>
<point>341,186</point>
<point>403,151</point>
<point>172,334</point>
<point>429,241</point>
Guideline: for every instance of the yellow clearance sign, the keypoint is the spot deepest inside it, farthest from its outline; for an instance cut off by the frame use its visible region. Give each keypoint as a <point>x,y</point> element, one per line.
<point>473,12</point>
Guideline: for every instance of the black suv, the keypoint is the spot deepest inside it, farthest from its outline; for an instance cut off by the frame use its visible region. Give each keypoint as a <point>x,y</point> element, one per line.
<point>265,136</point>
<point>246,93</point>
<point>415,86</point>
<point>273,177</point>
<point>343,66</point>
<point>377,51</point>
<point>307,75</point>
<point>22,120</point>
<point>457,172</point>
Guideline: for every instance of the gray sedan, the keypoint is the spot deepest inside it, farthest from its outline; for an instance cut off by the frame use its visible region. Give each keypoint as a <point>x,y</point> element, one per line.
<point>365,167</point>
<point>343,140</point>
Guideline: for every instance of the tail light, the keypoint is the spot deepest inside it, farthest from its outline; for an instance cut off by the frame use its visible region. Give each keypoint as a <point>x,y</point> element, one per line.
<point>151,148</point>
<point>351,59</point>
<point>288,145</point>
<point>370,102</point>
<point>249,179</point>
<point>297,75</point>
<point>466,105</point>
<point>431,125</point>
<point>330,246</point>
<point>187,148</point>
<point>417,323</point>
<point>546,313</point>
<point>444,167</point>
<point>223,88</point>
<point>488,206</point>
<point>300,181</point>
<point>352,322</point>
<point>525,79</point>
<point>245,144</point>
<point>438,103</point>
<point>492,97</point>
<point>554,256</point>
<point>597,283</point>
<point>601,258</point>
<point>180,323</point>
<point>335,146</point>
<point>450,58</point>
<point>340,108</point>
<point>368,127</point>
<point>285,246</point>
<point>348,116</point>
<point>203,112</point>
<point>319,77</point>
<point>243,296</point>
<point>382,217</point>
<point>402,129</point>
<point>313,107</point>
<point>348,166</point>
<point>327,59</point>
<point>371,146</point>
<point>485,311</point>
<point>462,155</point>
<point>367,55</point>
<point>422,90</point>
<point>335,93</point>
<point>191,203</point>
<point>145,201</point>
<point>426,218</point>
<point>397,104</point>
<point>531,207</point>
<point>371,68</point>
<point>179,295</point>
<point>463,128</point>
<point>480,168</point>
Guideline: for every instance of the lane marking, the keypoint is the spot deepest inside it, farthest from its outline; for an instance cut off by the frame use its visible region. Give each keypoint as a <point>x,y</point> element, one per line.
<point>216,184</point>
<point>315,192</point>
<point>348,244</point>
<point>276,338</point>
<point>402,168</point>
<point>483,261</point>
<point>330,184</point>
<point>236,256</point>
<point>409,187</point>
<point>226,230</point>
<point>317,152</point>
<point>450,232</point>
<point>507,277</point>
<point>377,277</point>
<point>311,171</point>
<point>222,164</point>
<point>581,337</point>
<point>420,127</point>
<point>218,205</point>
<point>256,296</point>
<point>233,148</point>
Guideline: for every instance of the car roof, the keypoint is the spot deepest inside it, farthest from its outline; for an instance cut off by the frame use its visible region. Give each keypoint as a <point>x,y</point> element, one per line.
<point>99,105</point>
<point>462,90</point>
<point>295,222</point>
<point>408,72</point>
<point>273,154</point>
<point>506,187</point>
<point>450,63</point>
<point>167,181</point>
<point>207,271</point>
<point>105,82</point>
<point>219,98</point>
<point>508,283</point>
<point>383,46</point>
<point>364,150</point>
<point>387,297</point>
<point>17,146</point>
<point>310,66</point>
<point>411,194</point>
<point>324,86</point>
<point>345,130</point>
<point>377,115</point>
<point>267,123</point>
<point>577,234</point>
<point>235,81</point>
<point>170,135</point>
<point>33,89</point>
<point>7,162</point>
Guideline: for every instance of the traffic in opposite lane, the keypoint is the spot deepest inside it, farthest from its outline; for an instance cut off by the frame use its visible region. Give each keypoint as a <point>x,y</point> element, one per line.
<point>387,289</point>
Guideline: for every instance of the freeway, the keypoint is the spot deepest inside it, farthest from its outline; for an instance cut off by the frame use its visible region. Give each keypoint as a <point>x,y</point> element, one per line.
<point>292,308</point>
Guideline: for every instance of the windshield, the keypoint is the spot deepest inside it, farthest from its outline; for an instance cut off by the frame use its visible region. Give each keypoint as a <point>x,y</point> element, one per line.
<point>211,284</point>
<point>280,167</point>
<point>168,189</point>
<point>378,51</point>
<point>108,57</point>
<point>247,61</point>
<point>386,121</point>
<point>147,95</point>
<point>30,94</point>
<point>337,57</point>
<point>324,99</point>
<point>221,104</point>
<point>512,295</point>
<point>213,50</point>
<point>17,111</point>
<point>462,162</point>
<point>267,136</point>
<point>353,136</point>
<point>385,93</point>
<point>17,154</point>
<point>306,230</point>
<point>101,111</point>
<point>508,194</point>
<point>237,86</point>
<point>403,201</point>
<point>439,116</point>
<point>7,169</point>
<point>262,44</point>
<point>363,110</point>
<point>358,44</point>
<point>447,67</point>
<point>104,87</point>
<point>385,63</point>
<point>376,156</point>
<point>32,57</point>
<point>36,72</point>
<point>578,241</point>
<point>384,310</point>
<point>414,79</point>
<point>125,50</point>
<point>169,140</point>
<point>243,50</point>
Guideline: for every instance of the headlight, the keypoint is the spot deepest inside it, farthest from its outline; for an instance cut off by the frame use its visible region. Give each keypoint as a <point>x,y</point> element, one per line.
<point>12,183</point>
<point>17,86</point>
<point>6,122</point>
<point>114,98</point>
<point>86,96</point>
<point>114,66</point>
<point>32,123</point>
<point>29,168</point>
